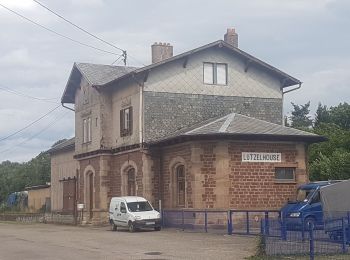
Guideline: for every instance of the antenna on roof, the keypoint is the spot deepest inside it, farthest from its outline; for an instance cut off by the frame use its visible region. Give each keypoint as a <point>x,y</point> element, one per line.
<point>124,57</point>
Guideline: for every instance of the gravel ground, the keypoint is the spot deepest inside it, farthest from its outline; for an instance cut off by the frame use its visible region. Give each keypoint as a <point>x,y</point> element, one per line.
<point>45,241</point>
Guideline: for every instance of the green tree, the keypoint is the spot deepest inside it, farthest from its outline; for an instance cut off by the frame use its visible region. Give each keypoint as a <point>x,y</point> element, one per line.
<point>16,176</point>
<point>300,117</point>
<point>340,115</point>
<point>331,159</point>
<point>322,115</point>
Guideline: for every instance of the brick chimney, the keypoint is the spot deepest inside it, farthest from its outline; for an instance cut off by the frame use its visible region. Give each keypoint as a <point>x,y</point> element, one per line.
<point>231,37</point>
<point>161,51</point>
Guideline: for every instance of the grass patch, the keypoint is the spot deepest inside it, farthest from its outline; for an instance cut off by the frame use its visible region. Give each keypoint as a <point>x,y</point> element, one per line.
<point>318,257</point>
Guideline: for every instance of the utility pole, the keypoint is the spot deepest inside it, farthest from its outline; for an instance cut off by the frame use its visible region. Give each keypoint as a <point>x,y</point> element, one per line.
<point>125,56</point>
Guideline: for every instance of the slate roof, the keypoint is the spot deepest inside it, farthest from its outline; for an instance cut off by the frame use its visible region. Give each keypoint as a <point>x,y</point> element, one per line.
<point>238,126</point>
<point>95,74</point>
<point>64,146</point>
<point>100,75</point>
<point>286,78</point>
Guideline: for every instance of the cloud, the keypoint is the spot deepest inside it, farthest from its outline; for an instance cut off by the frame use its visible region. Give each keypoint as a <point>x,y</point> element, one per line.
<point>306,39</point>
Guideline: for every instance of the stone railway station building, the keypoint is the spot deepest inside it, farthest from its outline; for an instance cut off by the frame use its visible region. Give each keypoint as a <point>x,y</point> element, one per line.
<point>202,129</point>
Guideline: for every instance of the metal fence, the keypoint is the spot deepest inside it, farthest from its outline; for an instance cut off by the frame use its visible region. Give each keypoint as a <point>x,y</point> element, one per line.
<point>196,220</point>
<point>248,222</point>
<point>327,240</point>
<point>218,221</point>
<point>279,240</point>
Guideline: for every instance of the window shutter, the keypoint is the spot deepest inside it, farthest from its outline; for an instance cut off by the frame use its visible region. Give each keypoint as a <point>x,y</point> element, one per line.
<point>208,71</point>
<point>221,74</point>
<point>130,120</point>
<point>121,122</point>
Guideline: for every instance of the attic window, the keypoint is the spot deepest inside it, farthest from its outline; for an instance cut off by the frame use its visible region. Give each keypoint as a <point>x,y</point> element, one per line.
<point>215,73</point>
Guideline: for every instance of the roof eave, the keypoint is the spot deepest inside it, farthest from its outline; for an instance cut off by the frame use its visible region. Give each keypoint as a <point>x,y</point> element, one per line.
<point>244,137</point>
<point>288,80</point>
<point>68,97</point>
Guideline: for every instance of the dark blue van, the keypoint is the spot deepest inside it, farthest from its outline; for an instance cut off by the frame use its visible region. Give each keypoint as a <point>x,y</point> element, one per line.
<point>306,208</point>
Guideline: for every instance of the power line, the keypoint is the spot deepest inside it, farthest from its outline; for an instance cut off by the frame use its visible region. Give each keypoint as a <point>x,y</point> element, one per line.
<point>137,60</point>
<point>115,60</point>
<point>32,123</point>
<point>53,122</point>
<point>76,26</point>
<point>57,33</point>
<point>124,55</point>
<point>84,30</point>
<point>27,96</point>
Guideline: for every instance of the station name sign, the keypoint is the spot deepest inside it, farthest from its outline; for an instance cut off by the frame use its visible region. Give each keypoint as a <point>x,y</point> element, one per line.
<point>261,157</point>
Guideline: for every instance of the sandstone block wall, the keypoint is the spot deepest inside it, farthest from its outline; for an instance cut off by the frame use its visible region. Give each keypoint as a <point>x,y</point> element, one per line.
<point>217,178</point>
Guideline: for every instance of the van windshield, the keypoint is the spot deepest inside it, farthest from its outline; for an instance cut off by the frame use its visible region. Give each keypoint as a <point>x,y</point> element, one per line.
<point>304,195</point>
<point>139,206</point>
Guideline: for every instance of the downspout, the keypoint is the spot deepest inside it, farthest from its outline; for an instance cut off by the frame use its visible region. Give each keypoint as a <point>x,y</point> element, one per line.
<point>67,107</point>
<point>160,181</point>
<point>141,115</point>
<point>285,92</point>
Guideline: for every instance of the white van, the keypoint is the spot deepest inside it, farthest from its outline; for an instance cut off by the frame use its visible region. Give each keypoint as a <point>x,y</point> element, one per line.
<point>133,212</point>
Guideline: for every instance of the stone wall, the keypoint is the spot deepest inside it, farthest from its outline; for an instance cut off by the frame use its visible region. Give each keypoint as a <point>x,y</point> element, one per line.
<point>63,165</point>
<point>120,163</point>
<point>217,178</point>
<point>253,186</point>
<point>165,113</point>
<point>170,158</point>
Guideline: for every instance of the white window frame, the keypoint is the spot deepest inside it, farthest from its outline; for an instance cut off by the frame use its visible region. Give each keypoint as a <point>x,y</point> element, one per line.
<point>126,121</point>
<point>87,135</point>
<point>213,80</point>
<point>284,179</point>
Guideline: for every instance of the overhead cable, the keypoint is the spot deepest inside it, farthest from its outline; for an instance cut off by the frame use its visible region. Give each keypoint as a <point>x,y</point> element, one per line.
<point>53,122</point>
<point>77,26</point>
<point>124,55</point>
<point>27,96</point>
<point>57,33</point>
<point>27,126</point>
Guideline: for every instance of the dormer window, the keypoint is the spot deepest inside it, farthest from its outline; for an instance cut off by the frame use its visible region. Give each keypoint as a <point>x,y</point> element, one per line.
<point>215,73</point>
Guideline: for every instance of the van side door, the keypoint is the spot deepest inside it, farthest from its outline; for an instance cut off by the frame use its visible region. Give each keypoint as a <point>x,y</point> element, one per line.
<point>316,207</point>
<point>123,217</point>
<point>115,210</point>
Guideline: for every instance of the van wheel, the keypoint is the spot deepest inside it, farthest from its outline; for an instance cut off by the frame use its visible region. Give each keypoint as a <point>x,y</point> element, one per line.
<point>131,227</point>
<point>157,228</point>
<point>114,227</point>
<point>308,222</point>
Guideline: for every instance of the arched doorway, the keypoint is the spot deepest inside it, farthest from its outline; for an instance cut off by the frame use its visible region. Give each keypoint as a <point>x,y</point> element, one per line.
<point>131,180</point>
<point>89,194</point>
<point>180,185</point>
<point>129,185</point>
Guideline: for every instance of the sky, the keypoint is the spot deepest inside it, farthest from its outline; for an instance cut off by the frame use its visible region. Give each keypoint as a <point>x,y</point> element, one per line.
<point>307,39</point>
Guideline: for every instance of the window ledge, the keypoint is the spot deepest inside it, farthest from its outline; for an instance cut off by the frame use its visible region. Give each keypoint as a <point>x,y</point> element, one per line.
<point>213,84</point>
<point>285,182</point>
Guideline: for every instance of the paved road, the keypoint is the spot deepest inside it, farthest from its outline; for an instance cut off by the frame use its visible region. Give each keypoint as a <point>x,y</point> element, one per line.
<point>44,241</point>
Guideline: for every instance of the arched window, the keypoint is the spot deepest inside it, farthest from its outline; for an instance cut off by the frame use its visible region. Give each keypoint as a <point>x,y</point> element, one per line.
<point>180,185</point>
<point>131,182</point>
